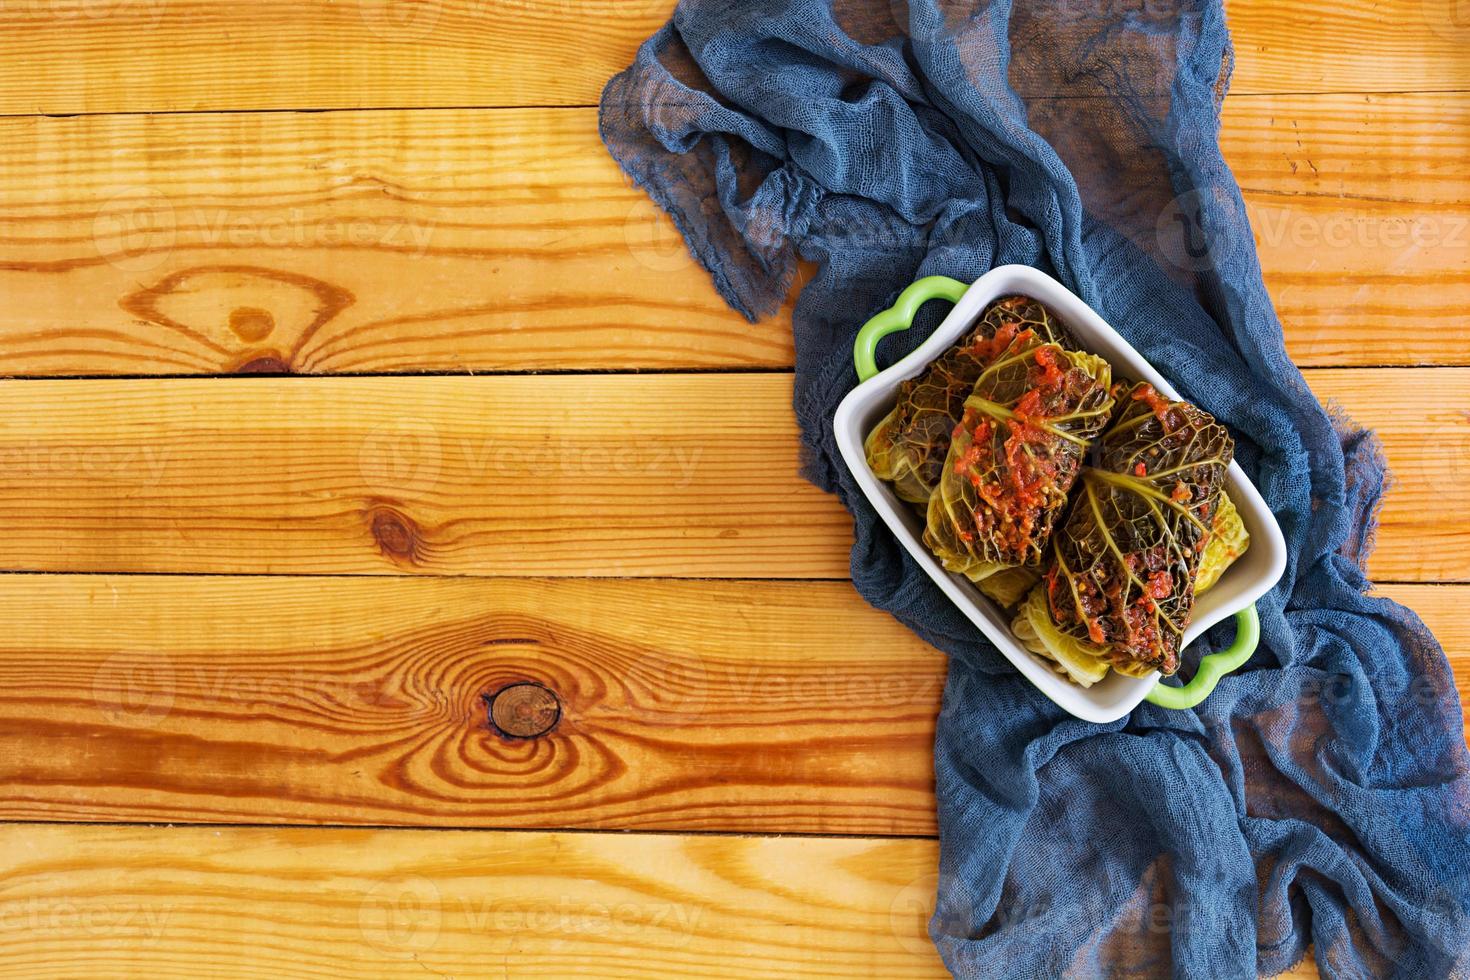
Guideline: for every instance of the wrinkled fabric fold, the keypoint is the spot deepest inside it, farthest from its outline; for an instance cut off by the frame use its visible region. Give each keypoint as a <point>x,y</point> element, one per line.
<point>1319,796</point>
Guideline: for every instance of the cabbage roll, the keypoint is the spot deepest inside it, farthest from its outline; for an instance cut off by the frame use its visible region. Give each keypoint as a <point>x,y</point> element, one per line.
<point>1014,456</point>
<point>1009,587</point>
<point>1082,662</point>
<point>1228,541</point>
<point>908,447</point>
<point>1120,582</point>
<point>1085,662</point>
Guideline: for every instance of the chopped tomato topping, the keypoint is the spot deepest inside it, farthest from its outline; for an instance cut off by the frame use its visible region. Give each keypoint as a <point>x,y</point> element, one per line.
<point>1160,585</point>
<point>1022,461</point>
<point>989,348</point>
<point>1154,400</point>
<point>1051,373</point>
<point>1140,469</point>
<point>965,462</point>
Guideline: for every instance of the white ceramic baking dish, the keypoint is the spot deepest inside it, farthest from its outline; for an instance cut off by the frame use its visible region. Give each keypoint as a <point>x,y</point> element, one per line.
<point>1249,578</point>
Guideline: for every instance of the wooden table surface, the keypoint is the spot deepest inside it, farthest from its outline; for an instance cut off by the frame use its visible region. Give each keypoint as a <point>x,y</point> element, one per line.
<point>243,669</point>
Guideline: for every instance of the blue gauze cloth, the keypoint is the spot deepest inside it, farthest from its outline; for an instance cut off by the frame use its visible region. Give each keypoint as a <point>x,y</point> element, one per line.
<point>1318,796</point>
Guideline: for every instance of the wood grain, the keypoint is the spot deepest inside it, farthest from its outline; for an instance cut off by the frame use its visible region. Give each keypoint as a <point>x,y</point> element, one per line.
<point>342,242</point>
<point>1349,46</point>
<point>71,56</point>
<point>664,475</point>
<point>465,241</point>
<point>216,243</point>
<point>159,903</point>
<point>1361,210</point>
<point>1423,420</point>
<point>568,475</point>
<point>68,56</point>
<point>761,707</point>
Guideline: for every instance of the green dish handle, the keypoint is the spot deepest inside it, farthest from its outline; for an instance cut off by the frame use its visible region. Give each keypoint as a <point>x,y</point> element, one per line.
<point>1213,667</point>
<point>900,316</point>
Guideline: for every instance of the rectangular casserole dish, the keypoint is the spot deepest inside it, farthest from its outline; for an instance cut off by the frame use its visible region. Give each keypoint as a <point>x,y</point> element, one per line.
<point>1245,581</point>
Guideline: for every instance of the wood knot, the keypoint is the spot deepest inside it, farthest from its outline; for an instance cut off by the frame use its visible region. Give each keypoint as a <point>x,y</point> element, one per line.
<point>524,710</point>
<point>252,324</point>
<point>234,309</point>
<point>396,534</point>
<point>264,364</point>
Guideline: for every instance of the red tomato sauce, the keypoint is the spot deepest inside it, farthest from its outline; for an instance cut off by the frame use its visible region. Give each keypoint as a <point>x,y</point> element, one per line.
<point>1154,400</point>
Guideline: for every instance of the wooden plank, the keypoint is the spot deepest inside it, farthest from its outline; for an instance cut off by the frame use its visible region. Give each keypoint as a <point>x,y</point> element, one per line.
<point>1349,46</point>
<point>733,706</point>
<point>439,241</point>
<point>148,900</point>
<point>214,243</point>
<point>667,475</point>
<point>70,56</point>
<point>151,902</point>
<point>179,902</point>
<point>1422,417</point>
<point>761,707</point>
<point>571,475</point>
<point>1361,210</point>
<point>1445,609</point>
<point>67,56</point>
